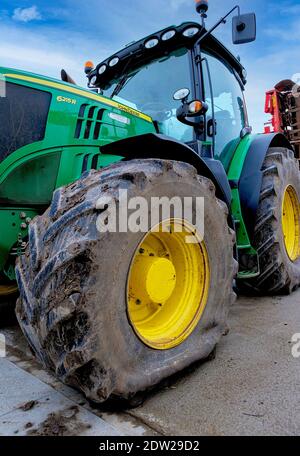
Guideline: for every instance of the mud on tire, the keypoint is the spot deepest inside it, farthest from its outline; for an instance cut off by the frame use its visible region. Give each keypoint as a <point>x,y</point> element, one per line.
<point>72,281</point>
<point>278,273</point>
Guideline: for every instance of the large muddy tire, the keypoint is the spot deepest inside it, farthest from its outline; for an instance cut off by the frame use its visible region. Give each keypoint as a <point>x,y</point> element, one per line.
<point>73,283</point>
<point>277,230</point>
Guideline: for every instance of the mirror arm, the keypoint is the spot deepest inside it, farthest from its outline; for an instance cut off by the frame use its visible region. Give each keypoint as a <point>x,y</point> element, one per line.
<point>193,122</point>
<point>221,21</point>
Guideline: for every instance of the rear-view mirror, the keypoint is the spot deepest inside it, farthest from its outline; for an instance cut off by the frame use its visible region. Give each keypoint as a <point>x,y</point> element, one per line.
<point>244,28</point>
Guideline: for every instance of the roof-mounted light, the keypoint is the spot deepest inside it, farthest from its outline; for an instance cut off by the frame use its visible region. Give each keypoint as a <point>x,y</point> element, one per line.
<point>114,61</point>
<point>190,32</point>
<point>93,80</point>
<point>151,43</point>
<point>201,6</point>
<point>168,35</point>
<point>102,69</point>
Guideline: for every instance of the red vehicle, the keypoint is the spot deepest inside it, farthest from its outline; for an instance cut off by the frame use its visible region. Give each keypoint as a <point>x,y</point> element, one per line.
<point>283,103</point>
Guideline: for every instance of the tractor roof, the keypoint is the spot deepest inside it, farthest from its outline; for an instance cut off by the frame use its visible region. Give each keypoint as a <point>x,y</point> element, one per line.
<point>137,54</point>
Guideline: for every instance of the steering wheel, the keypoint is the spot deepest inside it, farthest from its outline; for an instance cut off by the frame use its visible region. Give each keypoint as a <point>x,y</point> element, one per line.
<point>157,110</point>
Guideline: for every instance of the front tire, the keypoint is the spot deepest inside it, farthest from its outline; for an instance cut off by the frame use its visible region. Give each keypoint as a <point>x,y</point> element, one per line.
<point>76,298</point>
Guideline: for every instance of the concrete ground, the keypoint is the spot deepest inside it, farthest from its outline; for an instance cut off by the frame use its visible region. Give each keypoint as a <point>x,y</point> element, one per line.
<point>252,387</point>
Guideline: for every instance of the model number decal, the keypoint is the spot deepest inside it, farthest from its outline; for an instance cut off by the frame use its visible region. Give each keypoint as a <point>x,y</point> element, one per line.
<point>62,99</point>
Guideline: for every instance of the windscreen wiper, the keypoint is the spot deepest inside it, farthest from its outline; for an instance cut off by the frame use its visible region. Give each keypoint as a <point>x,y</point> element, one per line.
<point>123,79</point>
<point>119,86</point>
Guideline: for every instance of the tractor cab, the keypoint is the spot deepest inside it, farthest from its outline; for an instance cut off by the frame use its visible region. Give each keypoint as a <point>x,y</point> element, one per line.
<point>149,75</point>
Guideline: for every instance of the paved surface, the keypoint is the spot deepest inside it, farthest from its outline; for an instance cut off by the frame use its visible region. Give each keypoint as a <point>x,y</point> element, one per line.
<point>252,387</point>
<point>45,411</point>
<point>34,402</point>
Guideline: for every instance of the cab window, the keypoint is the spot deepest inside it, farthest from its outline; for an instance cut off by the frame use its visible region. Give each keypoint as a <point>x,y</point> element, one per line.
<point>23,117</point>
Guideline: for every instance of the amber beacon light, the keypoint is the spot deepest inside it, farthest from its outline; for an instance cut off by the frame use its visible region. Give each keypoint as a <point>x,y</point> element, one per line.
<point>201,6</point>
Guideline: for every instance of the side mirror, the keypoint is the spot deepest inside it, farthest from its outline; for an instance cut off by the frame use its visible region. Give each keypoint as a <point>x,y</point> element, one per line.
<point>244,28</point>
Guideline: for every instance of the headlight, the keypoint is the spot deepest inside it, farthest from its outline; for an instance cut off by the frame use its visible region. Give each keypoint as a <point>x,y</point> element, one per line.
<point>151,43</point>
<point>114,61</point>
<point>102,69</point>
<point>168,35</point>
<point>190,32</point>
<point>93,80</point>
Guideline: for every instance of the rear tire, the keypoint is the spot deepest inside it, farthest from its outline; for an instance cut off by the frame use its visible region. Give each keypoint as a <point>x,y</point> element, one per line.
<point>72,282</point>
<point>279,260</point>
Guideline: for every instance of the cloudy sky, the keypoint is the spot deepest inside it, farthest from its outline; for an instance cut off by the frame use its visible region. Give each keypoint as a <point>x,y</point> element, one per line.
<point>43,36</point>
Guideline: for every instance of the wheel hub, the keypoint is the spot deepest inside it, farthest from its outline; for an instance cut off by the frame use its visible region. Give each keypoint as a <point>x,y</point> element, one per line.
<point>167,287</point>
<point>160,278</point>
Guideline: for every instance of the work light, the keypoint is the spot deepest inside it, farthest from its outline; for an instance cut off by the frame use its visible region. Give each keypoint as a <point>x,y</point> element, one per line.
<point>168,35</point>
<point>102,69</point>
<point>93,80</point>
<point>190,32</point>
<point>113,62</point>
<point>151,43</point>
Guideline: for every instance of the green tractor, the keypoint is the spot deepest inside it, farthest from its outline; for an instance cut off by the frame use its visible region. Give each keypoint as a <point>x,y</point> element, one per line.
<point>114,312</point>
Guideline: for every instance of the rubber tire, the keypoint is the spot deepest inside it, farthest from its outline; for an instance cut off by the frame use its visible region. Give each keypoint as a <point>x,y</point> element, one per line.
<point>72,282</point>
<point>279,275</point>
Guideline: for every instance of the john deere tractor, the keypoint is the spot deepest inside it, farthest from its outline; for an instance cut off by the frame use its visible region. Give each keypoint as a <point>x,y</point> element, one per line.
<point>113,312</point>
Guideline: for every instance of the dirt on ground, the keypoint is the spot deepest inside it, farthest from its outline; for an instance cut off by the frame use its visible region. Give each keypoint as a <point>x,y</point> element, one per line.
<point>61,423</point>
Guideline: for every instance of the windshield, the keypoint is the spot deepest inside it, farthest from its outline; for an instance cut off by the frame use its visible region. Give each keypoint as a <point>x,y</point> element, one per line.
<point>151,91</point>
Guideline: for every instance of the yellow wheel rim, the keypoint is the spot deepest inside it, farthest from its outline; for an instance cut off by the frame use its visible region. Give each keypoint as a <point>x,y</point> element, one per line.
<point>167,287</point>
<point>291,223</point>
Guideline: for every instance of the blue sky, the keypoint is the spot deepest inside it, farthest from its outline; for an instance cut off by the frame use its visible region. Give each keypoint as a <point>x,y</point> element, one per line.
<point>44,36</point>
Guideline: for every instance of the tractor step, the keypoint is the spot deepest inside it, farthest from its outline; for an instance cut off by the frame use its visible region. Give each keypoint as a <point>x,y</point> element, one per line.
<point>247,274</point>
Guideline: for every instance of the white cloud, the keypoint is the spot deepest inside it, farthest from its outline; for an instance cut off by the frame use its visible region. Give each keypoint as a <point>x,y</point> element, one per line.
<point>27,14</point>
<point>51,52</point>
<point>176,4</point>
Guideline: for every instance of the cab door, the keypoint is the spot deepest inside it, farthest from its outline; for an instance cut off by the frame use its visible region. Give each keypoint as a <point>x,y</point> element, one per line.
<point>226,103</point>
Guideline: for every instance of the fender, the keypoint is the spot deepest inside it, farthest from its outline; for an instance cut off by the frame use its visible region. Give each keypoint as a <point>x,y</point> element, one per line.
<point>158,146</point>
<point>251,176</point>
